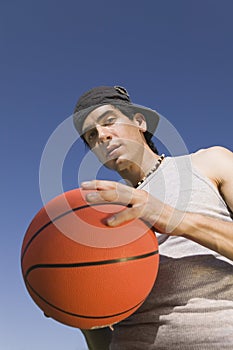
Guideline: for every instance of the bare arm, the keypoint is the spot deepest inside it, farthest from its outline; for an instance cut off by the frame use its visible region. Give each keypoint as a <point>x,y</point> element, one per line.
<point>217,164</point>
<point>209,232</point>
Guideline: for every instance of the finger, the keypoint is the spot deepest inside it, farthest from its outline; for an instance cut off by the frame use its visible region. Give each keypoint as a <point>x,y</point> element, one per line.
<point>102,196</point>
<point>110,196</point>
<point>98,185</point>
<point>108,191</point>
<point>124,216</point>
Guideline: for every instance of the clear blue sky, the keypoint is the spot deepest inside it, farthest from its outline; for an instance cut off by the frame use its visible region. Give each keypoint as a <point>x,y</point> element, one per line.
<point>174,56</point>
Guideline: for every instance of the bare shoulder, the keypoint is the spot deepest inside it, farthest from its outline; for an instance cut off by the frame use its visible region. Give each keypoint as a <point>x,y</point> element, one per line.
<point>212,153</point>
<point>215,162</point>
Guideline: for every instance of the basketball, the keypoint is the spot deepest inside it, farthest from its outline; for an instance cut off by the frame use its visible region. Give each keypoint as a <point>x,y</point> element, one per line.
<point>82,273</point>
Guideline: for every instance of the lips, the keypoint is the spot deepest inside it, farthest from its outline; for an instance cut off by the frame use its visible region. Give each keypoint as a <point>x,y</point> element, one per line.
<point>111,150</point>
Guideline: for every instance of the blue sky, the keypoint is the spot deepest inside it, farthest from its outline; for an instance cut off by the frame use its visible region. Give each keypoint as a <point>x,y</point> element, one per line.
<point>174,56</point>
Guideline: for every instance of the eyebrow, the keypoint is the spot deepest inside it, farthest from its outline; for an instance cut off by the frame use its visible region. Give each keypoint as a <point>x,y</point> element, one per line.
<point>101,116</point>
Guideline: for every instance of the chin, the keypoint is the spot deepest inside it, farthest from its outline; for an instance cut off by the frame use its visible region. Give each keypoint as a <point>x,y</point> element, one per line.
<point>122,164</point>
<point>110,164</point>
<point>113,165</point>
<point>117,164</point>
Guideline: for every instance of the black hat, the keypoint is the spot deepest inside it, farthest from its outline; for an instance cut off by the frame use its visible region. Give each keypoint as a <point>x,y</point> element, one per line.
<point>114,95</point>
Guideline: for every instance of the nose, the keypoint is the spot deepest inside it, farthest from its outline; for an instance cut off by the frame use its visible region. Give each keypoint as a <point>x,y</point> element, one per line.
<point>103,133</point>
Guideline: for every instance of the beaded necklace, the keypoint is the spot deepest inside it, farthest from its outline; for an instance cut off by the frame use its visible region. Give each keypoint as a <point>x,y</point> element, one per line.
<point>155,167</point>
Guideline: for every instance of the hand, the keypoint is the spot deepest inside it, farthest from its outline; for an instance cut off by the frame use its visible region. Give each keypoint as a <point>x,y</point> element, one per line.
<point>209,232</point>
<point>139,204</point>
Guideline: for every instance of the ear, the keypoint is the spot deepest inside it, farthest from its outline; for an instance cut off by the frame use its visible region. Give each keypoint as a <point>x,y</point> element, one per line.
<point>140,121</point>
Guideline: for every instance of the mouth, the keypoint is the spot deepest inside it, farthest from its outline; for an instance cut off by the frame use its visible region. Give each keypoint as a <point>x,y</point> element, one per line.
<point>111,150</point>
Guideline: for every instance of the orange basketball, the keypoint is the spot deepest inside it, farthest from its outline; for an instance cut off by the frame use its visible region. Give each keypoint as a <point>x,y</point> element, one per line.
<point>81,272</point>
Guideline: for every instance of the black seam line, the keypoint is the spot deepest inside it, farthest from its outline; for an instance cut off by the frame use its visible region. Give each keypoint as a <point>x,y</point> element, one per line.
<point>58,217</point>
<point>89,263</point>
<point>78,315</point>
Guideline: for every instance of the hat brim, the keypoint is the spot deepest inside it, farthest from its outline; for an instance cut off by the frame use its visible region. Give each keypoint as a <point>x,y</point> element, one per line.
<point>151,116</point>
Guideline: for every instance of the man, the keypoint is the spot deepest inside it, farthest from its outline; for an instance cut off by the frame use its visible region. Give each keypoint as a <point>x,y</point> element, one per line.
<point>189,202</point>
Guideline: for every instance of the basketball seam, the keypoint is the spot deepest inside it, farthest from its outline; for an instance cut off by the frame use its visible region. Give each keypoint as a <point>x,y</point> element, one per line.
<point>57,218</point>
<point>89,263</point>
<point>79,315</point>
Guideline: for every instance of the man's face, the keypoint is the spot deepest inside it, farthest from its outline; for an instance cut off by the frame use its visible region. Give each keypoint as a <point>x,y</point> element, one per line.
<point>116,140</point>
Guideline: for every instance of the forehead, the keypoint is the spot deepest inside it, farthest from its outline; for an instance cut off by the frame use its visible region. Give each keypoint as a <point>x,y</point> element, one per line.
<point>98,113</point>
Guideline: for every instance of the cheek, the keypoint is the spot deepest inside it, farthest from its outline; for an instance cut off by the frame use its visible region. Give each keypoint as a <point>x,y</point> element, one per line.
<point>134,141</point>
<point>131,133</point>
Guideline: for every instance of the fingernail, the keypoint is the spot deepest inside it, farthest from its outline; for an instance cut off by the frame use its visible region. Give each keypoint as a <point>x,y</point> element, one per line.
<point>91,196</point>
<point>86,184</point>
<point>111,220</point>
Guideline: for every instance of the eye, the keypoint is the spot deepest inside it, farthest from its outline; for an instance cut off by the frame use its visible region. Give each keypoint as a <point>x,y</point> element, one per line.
<point>91,135</point>
<point>109,121</point>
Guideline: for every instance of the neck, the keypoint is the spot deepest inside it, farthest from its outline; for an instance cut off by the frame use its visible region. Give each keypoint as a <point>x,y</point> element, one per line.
<point>134,173</point>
